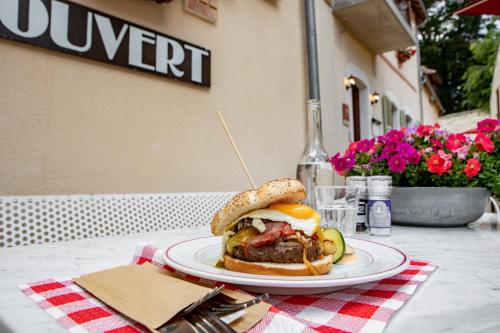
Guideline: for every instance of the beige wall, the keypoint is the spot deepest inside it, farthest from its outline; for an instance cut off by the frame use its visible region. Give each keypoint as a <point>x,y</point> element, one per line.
<point>69,125</point>
<point>431,110</point>
<point>402,92</point>
<point>337,49</point>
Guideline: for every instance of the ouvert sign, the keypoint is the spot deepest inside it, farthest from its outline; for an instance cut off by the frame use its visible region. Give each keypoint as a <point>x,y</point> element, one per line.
<point>72,28</point>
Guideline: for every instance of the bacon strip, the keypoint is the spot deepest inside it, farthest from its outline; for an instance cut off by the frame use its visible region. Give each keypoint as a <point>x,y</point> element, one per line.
<point>274,230</point>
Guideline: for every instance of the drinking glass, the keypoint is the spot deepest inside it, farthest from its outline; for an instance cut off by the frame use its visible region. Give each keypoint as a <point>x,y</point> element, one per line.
<point>338,207</point>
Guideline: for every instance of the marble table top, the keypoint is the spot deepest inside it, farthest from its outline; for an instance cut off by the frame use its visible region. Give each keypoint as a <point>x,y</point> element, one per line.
<point>463,295</point>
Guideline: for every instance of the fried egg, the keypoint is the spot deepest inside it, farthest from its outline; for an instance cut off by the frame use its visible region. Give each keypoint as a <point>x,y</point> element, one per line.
<point>300,217</point>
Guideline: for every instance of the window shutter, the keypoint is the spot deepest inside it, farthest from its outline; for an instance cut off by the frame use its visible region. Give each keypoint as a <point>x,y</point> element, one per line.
<point>402,119</point>
<point>387,113</point>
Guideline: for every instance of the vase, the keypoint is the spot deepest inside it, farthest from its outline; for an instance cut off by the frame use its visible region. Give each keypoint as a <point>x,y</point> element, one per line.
<point>438,206</point>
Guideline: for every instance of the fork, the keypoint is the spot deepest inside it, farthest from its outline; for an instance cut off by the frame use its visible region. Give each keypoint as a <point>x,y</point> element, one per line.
<point>222,307</point>
<point>202,300</point>
<point>208,321</point>
<point>205,318</point>
<point>178,325</point>
<point>196,321</point>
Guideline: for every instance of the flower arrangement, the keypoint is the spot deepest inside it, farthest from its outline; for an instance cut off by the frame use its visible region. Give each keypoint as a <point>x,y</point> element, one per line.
<point>405,54</point>
<point>428,156</point>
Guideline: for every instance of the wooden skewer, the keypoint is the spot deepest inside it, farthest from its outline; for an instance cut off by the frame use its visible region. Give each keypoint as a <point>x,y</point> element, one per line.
<point>236,150</point>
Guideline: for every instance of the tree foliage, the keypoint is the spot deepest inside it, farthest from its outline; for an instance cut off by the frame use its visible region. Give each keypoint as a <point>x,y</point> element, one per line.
<point>445,42</point>
<point>478,77</point>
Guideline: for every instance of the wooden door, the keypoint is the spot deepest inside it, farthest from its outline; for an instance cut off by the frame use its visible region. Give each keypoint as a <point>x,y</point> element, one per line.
<point>355,113</point>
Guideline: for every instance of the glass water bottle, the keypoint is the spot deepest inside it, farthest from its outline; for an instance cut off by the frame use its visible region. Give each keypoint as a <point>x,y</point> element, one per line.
<point>314,168</point>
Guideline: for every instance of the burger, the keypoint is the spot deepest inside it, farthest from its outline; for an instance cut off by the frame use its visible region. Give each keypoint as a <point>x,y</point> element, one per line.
<point>266,231</point>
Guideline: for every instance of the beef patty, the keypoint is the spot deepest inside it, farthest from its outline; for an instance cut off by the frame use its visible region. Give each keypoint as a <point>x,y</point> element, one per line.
<point>281,251</point>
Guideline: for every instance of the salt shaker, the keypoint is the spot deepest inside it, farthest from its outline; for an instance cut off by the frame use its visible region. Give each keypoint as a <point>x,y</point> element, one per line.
<point>362,217</point>
<point>379,205</point>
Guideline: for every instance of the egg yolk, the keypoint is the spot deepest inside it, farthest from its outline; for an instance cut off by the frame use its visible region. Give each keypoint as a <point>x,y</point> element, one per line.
<point>298,211</point>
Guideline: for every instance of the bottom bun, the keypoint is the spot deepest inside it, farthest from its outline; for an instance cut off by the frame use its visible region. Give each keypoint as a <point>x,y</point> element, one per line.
<point>322,266</point>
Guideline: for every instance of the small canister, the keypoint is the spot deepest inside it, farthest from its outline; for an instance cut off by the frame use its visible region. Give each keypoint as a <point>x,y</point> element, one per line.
<point>362,217</point>
<point>379,205</point>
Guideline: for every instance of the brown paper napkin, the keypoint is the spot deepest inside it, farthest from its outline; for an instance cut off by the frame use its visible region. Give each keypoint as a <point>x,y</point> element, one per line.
<point>152,296</point>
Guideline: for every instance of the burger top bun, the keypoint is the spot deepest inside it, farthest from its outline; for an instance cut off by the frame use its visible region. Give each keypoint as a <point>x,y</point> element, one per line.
<point>280,190</point>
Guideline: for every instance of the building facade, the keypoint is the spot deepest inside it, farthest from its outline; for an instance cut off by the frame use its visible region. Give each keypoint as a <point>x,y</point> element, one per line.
<point>73,125</point>
<point>374,45</point>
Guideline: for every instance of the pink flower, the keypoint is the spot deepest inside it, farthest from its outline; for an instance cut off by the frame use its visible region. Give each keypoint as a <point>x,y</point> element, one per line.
<point>484,143</point>
<point>404,148</point>
<point>488,125</point>
<point>397,164</point>
<point>472,168</point>
<point>446,158</point>
<point>436,143</point>
<point>391,136</point>
<point>414,157</point>
<point>366,167</point>
<point>455,141</point>
<point>439,163</point>
<point>364,145</point>
<point>462,151</point>
<point>424,130</point>
<point>435,164</point>
<point>391,146</point>
<point>343,164</point>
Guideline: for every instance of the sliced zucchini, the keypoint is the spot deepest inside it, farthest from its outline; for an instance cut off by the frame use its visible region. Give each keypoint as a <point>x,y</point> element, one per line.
<point>335,236</point>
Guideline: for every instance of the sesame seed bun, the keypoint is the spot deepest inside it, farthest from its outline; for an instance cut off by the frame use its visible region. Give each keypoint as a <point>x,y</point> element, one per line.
<point>281,190</point>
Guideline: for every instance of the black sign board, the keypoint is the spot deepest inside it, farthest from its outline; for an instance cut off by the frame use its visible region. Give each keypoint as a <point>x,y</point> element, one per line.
<point>75,29</point>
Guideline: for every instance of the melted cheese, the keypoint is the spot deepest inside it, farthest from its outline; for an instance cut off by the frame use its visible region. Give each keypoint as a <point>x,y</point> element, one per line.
<point>225,237</point>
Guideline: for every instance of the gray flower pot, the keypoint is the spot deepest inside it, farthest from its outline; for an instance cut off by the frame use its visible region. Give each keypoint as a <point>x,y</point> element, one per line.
<point>438,206</point>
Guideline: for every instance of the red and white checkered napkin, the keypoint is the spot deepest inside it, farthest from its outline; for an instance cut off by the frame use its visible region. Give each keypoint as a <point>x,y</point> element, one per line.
<point>363,308</point>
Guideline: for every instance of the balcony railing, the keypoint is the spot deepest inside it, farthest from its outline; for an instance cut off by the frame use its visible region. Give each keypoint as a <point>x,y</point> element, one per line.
<point>381,25</point>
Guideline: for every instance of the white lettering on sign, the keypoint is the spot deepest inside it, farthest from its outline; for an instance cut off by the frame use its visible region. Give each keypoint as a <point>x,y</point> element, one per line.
<point>63,29</point>
<point>196,57</point>
<point>38,17</point>
<point>137,38</point>
<point>163,62</point>
<point>110,40</point>
<point>59,27</point>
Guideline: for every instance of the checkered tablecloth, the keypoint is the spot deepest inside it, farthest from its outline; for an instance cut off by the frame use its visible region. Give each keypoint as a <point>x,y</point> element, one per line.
<point>363,308</point>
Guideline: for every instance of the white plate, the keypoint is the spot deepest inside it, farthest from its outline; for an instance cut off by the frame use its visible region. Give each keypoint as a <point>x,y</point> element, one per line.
<point>373,262</point>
